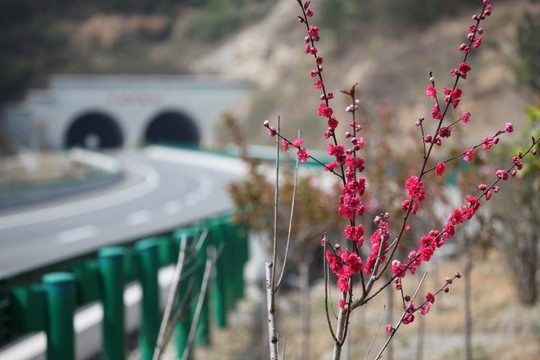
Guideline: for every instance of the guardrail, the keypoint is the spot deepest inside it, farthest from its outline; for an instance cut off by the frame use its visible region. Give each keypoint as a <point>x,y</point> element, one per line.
<point>50,307</point>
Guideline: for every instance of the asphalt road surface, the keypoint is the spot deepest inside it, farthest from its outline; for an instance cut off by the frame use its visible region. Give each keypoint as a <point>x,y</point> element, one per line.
<point>162,189</point>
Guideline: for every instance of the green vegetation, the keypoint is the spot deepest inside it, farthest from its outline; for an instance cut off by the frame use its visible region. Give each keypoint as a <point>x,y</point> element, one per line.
<point>35,38</point>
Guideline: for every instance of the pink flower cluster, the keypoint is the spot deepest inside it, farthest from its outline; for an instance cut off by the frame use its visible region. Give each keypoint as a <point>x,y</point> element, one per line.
<point>379,237</point>
<point>344,264</point>
<point>415,187</point>
<point>348,165</point>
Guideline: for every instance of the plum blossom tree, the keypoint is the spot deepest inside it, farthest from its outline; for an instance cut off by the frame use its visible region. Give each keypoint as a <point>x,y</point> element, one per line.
<point>368,260</point>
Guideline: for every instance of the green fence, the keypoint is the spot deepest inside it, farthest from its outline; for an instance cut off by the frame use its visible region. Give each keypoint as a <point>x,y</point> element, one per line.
<point>50,305</point>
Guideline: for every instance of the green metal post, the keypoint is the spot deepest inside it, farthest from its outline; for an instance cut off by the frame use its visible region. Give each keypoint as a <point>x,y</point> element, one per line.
<point>27,309</point>
<point>166,252</point>
<point>217,290</point>
<point>242,232</point>
<point>111,270</point>
<point>60,290</point>
<point>202,336</point>
<point>86,281</point>
<point>184,323</point>
<point>148,252</point>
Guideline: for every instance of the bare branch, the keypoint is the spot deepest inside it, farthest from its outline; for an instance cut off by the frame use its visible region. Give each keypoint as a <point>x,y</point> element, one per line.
<point>161,341</point>
<point>290,224</point>
<point>376,332</point>
<point>210,261</point>
<point>272,332</point>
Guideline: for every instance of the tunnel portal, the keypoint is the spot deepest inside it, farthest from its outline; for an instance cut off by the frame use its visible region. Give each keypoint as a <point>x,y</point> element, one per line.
<point>172,127</point>
<point>96,131</point>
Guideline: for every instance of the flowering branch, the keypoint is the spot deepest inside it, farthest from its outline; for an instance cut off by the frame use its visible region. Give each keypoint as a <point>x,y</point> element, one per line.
<point>350,264</point>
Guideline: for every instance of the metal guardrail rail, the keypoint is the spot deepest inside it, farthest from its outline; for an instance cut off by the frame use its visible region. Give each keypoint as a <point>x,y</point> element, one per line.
<point>53,310</point>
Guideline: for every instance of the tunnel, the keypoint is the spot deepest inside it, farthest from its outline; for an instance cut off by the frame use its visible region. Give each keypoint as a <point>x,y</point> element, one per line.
<point>96,131</point>
<point>172,127</point>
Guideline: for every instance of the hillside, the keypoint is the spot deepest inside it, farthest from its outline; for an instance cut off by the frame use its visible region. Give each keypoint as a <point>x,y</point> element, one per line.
<point>389,68</point>
<point>389,54</point>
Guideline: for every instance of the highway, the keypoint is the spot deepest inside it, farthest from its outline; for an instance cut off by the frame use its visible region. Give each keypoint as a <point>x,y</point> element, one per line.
<point>162,189</point>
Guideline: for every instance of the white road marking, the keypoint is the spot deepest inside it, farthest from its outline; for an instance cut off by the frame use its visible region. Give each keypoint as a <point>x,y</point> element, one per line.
<point>85,206</point>
<point>138,217</point>
<point>193,198</point>
<point>77,234</point>
<point>172,207</point>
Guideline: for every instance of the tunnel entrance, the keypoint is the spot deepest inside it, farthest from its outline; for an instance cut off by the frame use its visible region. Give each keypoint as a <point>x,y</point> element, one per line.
<point>172,127</point>
<point>94,131</point>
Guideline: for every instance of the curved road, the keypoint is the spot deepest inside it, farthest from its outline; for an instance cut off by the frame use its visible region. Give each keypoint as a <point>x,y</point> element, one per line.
<point>163,189</point>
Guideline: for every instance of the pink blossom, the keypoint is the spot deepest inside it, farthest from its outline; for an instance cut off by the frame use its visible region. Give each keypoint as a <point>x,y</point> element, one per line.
<point>337,150</point>
<point>509,127</point>
<point>325,110</point>
<point>285,144</point>
<point>399,270</point>
<point>330,166</point>
<point>424,309</point>
<point>477,42</point>
<point>296,143</point>
<point>436,112</point>
<point>431,91</point>
<point>439,170</point>
<point>502,174</point>
<point>414,186</point>
<point>430,297</point>
<point>343,284</point>
<point>468,155</point>
<point>302,155</point>
<point>318,84</point>
<point>354,233</point>
<point>389,329</point>
<point>341,304</point>
<point>408,316</point>
<point>332,123</point>
<point>487,143</point>
<point>464,68</point>
<point>456,97</point>
<point>445,132</point>
<point>314,32</point>
<point>466,117</point>
<point>517,161</point>
<point>309,12</point>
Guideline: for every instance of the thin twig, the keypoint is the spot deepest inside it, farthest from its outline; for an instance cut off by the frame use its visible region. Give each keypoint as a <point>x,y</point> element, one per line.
<point>160,343</point>
<point>210,261</point>
<point>181,309</point>
<point>326,280</point>
<point>276,202</point>
<point>272,332</point>
<point>290,224</point>
<point>376,332</point>
<point>379,355</point>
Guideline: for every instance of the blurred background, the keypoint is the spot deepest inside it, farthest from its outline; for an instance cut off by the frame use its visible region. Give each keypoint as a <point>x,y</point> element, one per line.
<point>198,77</point>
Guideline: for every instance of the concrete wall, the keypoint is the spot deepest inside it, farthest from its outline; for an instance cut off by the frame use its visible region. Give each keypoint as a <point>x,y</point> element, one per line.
<point>133,102</point>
